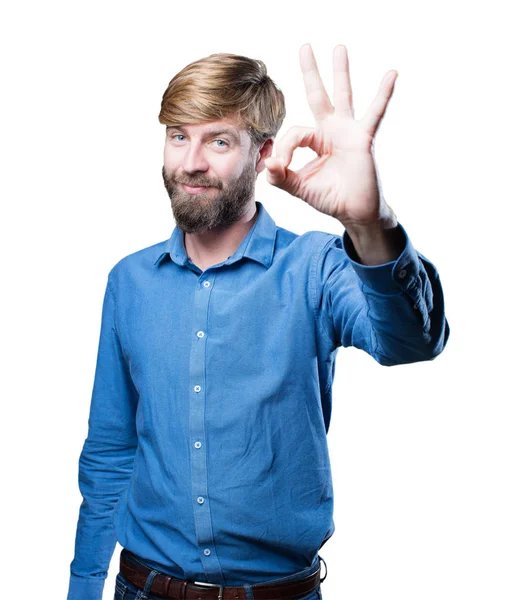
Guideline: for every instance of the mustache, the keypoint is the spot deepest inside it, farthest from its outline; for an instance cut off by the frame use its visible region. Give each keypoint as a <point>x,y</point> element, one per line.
<point>195,182</point>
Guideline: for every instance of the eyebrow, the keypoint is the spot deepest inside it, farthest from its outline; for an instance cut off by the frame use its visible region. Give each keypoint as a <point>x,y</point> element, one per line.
<point>210,133</point>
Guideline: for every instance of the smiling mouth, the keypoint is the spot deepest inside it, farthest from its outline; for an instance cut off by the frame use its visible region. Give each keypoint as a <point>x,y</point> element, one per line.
<point>195,189</point>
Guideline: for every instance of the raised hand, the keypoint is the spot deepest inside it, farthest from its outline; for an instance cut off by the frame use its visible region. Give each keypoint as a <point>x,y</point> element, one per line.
<point>342,180</point>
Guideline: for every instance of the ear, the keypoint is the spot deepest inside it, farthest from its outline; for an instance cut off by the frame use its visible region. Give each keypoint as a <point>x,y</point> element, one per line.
<point>264,152</point>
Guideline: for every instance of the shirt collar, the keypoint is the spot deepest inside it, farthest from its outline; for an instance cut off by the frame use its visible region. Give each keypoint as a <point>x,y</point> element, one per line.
<point>258,244</point>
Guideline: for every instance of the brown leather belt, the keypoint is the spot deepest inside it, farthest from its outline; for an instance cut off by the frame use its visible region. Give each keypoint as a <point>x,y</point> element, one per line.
<point>168,586</point>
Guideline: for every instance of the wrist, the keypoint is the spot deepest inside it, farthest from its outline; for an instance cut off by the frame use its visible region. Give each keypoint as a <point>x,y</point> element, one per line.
<point>376,242</point>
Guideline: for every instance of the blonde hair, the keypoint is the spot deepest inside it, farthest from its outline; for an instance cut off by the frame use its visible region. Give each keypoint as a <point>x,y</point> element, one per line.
<point>223,86</point>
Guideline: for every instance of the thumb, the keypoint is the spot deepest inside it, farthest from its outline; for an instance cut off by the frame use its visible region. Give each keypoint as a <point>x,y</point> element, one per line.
<point>282,177</point>
<point>276,173</point>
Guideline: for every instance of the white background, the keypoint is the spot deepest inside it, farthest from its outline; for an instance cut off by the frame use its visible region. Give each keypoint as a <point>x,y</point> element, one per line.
<point>427,458</point>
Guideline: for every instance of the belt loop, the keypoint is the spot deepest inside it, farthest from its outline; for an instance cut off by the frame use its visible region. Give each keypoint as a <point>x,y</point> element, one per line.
<point>145,594</point>
<point>322,579</point>
<point>184,590</point>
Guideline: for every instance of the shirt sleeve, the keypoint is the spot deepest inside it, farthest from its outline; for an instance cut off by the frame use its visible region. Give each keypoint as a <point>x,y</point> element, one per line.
<point>106,460</point>
<point>393,311</point>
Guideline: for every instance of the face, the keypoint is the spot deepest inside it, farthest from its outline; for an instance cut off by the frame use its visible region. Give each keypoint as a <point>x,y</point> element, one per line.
<point>219,156</point>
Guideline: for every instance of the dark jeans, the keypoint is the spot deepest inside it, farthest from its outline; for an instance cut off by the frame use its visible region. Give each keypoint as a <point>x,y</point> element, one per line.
<point>125,590</point>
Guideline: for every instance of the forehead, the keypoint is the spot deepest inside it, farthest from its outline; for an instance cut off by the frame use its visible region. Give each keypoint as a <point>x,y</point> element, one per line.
<point>218,127</point>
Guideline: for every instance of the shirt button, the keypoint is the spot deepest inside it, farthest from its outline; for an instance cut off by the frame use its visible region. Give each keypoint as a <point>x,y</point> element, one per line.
<point>200,334</point>
<point>402,273</point>
<point>198,444</point>
<point>200,500</point>
<point>197,388</point>
<point>206,284</point>
<point>207,551</point>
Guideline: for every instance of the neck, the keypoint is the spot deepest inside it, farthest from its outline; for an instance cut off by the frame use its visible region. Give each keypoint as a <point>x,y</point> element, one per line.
<point>216,245</point>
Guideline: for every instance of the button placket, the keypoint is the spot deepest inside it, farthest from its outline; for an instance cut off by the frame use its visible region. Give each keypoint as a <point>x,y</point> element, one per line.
<point>197,429</point>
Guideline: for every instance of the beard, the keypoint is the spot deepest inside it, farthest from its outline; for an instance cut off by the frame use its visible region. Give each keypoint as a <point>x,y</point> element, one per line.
<point>219,207</point>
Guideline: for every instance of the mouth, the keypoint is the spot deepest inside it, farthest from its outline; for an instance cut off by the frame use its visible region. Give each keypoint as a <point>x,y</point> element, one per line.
<point>194,190</point>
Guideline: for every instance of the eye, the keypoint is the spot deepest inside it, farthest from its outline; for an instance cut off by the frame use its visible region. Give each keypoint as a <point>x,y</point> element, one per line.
<point>180,135</point>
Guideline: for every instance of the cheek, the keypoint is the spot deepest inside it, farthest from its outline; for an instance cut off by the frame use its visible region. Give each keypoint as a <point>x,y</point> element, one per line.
<point>170,159</point>
<point>168,163</point>
<point>231,170</point>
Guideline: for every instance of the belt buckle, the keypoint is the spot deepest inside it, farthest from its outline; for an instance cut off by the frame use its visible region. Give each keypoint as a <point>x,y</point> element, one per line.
<point>218,585</point>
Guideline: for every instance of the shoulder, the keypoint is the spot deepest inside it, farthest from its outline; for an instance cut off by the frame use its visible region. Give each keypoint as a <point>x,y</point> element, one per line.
<point>136,262</point>
<point>310,242</point>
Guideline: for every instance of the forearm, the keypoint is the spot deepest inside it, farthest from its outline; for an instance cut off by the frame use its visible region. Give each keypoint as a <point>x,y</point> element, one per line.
<point>104,472</point>
<point>405,305</point>
<point>393,310</point>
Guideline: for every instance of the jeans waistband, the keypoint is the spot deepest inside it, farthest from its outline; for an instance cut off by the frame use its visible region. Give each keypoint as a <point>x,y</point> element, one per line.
<point>315,565</point>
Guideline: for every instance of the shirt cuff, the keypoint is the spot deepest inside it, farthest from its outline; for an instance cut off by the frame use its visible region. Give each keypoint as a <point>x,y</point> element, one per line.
<point>85,588</point>
<point>389,278</point>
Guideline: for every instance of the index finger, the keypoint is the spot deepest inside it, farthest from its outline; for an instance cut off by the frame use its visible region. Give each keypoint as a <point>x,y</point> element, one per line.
<point>316,94</point>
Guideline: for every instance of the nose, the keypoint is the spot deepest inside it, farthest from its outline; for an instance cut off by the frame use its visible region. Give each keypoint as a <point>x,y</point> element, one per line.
<point>194,159</point>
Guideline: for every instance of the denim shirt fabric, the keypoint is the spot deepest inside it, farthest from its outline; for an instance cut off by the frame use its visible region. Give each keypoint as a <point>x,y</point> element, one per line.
<point>206,452</point>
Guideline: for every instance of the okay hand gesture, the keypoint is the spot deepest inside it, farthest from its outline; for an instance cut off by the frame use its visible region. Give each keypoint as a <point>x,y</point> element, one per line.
<point>342,180</point>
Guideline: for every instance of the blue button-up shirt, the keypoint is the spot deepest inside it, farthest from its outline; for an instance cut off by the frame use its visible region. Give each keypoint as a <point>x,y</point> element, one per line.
<point>206,452</point>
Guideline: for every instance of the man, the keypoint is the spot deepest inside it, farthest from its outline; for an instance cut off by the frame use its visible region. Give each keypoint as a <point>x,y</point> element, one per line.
<point>206,456</point>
